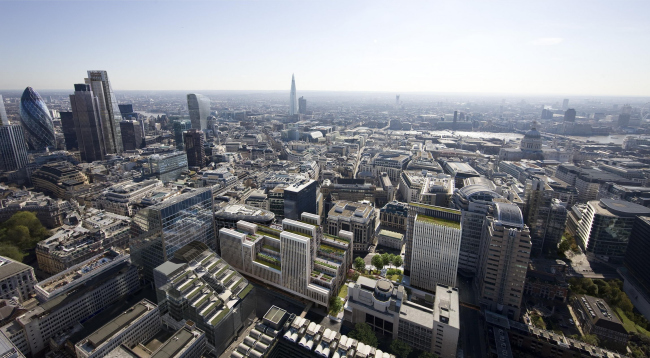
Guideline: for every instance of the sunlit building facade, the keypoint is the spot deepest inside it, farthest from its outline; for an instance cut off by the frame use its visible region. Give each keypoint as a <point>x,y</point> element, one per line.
<point>36,120</point>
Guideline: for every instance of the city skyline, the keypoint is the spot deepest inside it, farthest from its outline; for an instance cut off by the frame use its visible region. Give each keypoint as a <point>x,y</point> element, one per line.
<point>360,46</point>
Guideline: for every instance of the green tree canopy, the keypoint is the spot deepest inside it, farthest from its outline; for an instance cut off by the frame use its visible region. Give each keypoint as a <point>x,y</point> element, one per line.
<point>400,348</point>
<point>397,261</point>
<point>359,264</point>
<point>363,333</point>
<point>378,262</point>
<point>11,252</point>
<point>335,305</point>
<point>20,233</point>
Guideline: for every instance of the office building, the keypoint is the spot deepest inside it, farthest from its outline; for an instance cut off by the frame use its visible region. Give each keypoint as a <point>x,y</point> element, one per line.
<point>390,239</point>
<point>186,342</point>
<point>88,124</point>
<point>505,253</point>
<point>596,317</point>
<point>394,216</point>
<point>544,215</point>
<point>122,198</point>
<point>570,115</point>
<point>474,201</point>
<point>166,167</point>
<point>302,105</point>
<point>4,121</point>
<point>180,126</point>
<point>13,148</point>
<point>298,259</point>
<point>605,227</point>
<point>69,131</point>
<point>358,218</point>
<point>8,349</point>
<point>198,286</point>
<point>547,279</point>
<point>36,120</point>
<point>194,141</point>
<point>301,197</point>
<point>108,110</point>
<point>58,179</point>
<point>139,323</point>
<point>459,171</point>
<point>199,108</point>
<point>422,186</point>
<point>126,110</point>
<point>16,280</point>
<point>293,98</point>
<point>391,162</point>
<point>446,322</point>
<point>637,272</point>
<point>435,248</point>
<point>132,135</point>
<point>624,119</point>
<point>70,297</point>
<point>161,229</point>
<point>230,215</point>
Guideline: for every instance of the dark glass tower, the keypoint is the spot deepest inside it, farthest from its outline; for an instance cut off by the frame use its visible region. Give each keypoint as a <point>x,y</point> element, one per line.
<point>109,111</point>
<point>88,125</point>
<point>36,120</point>
<point>193,139</point>
<point>13,148</point>
<point>69,133</point>
<point>132,136</point>
<point>638,251</point>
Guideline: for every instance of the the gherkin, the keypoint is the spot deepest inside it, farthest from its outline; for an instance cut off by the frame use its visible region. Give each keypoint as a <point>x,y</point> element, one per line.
<point>36,120</point>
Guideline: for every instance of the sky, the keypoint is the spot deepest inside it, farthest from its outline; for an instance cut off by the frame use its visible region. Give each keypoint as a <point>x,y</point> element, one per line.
<point>501,47</point>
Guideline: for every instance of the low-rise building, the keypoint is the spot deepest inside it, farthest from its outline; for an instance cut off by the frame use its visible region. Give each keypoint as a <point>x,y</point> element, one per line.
<point>122,198</point>
<point>547,280</point>
<point>390,239</point>
<point>596,317</point>
<point>16,280</point>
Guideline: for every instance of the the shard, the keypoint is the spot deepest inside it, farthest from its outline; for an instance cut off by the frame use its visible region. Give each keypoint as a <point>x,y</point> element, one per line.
<point>293,99</point>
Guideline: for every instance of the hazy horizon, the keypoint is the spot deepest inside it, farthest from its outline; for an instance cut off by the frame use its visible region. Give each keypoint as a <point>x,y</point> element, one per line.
<point>554,48</point>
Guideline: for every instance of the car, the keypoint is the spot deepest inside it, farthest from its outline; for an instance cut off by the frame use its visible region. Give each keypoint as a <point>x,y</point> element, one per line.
<point>571,321</point>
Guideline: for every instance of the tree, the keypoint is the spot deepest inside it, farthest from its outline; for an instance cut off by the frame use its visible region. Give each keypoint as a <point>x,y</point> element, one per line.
<point>11,252</point>
<point>386,258</point>
<point>590,339</point>
<point>363,333</point>
<point>428,355</point>
<point>359,264</point>
<point>397,261</point>
<point>20,233</point>
<point>378,262</point>
<point>335,305</point>
<point>400,348</point>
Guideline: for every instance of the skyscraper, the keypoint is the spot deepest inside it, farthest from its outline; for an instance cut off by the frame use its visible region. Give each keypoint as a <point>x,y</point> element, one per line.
<point>87,123</point>
<point>36,119</point>
<point>565,104</point>
<point>302,105</point>
<point>3,113</point>
<point>199,107</point>
<point>180,126</point>
<point>132,136</point>
<point>108,110</point>
<point>13,148</point>
<point>69,132</point>
<point>544,215</point>
<point>193,140</point>
<point>505,252</point>
<point>293,99</point>
<point>570,115</point>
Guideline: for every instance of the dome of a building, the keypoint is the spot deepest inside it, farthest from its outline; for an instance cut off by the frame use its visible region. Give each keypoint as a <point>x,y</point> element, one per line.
<point>533,134</point>
<point>532,141</point>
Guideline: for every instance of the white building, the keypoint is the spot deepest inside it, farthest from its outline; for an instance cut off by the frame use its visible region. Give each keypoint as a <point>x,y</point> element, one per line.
<point>16,280</point>
<point>446,322</point>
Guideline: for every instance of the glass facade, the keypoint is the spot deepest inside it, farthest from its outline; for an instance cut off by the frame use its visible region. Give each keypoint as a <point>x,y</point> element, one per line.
<point>36,120</point>
<point>199,108</point>
<point>13,149</point>
<point>108,110</point>
<point>168,167</point>
<point>180,126</point>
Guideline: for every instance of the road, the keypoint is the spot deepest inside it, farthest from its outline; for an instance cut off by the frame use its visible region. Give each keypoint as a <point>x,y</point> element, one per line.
<point>472,337</point>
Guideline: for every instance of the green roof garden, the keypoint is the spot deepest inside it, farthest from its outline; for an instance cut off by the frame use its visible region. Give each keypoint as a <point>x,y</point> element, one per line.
<point>245,291</point>
<point>437,221</point>
<point>438,208</point>
<point>220,316</point>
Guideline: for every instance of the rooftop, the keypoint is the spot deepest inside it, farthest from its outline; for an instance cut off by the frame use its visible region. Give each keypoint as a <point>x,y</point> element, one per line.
<point>438,221</point>
<point>9,267</point>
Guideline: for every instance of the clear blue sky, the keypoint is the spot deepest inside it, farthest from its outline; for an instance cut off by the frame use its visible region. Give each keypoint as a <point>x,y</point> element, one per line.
<point>517,47</point>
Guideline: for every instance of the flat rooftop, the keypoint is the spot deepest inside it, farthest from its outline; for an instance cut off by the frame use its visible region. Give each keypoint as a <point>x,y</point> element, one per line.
<point>438,221</point>
<point>175,344</point>
<point>119,323</point>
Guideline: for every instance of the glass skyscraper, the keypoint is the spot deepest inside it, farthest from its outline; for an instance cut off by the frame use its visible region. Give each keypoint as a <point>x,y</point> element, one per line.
<point>293,98</point>
<point>199,107</point>
<point>3,113</point>
<point>109,111</point>
<point>87,123</point>
<point>13,148</point>
<point>180,126</point>
<point>36,120</point>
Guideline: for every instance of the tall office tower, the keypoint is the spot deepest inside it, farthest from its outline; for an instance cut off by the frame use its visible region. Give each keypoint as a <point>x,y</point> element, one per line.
<point>3,113</point>
<point>13,148</point>
<point>565,104</point>
<point>132,136</point>
<point>69,132</point>
<point>505,248</point>
<point>109,111</point>
<point>637,274</point>
<point>87,123</point>
<point>199,107</point>
<point>301,197</point>
<point>36,119</point>
<point>570,115</point>
<point>180,126</point>
<point>544,215</point>
<point>293,99</point>
<point>194,140</point>
<point>126,110</point>
<point>435,248</point>
<point>473,200</point>
<point>358,218</point>
<point>605,227</point>
<point>161,229</point>
<point>396,100</point>
<point>302,105</point>
<point>415,209</point>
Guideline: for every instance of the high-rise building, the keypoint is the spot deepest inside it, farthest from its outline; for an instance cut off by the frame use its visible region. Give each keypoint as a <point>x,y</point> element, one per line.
<point>88,123</point>
<point>194,141</point>
<point>126,110</point>
<point>132,135</point>
<point>109,112</point>
<point>13,148</point>
<point>36,119</point>
<point>544,215</point>
<point>570,115</point>
<point>3,113</point>
<point>16,280</point>
<point>302,105</point>
<point>293,98</point>
<point>637,277</point>
<point>605,227</point>
<point>69,132</point>
<point>199,108</point>
<point>180,126</point>
<point>161,229</point>
<point>565,104</point>
<point>301,197</point>
<point>435,248</point>
<point>505,253</point>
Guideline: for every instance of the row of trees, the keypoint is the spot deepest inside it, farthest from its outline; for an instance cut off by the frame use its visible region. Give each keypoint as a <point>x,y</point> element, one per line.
<point>20,234</point>
<point>379,261</point>
<point>364,333</point>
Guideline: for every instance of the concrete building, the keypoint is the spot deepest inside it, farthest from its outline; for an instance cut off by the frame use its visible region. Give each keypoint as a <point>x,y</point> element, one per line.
<point>394,215</point>
<point>198,286</point>
<point>258,199</point>
<point>58,179</point>
<point>390,239</point>
<point>166,167</point>
<point>426,187</point>
<point>391,162</point>
<point>16,280</point>
<point>358,218</point>
<point>122,198</point>
<point>596,317</point>
<point>605,227</point>
<point>545,216</point>
<point>139,323</point>
<point>459,171</point>
<point>446,322</point>
<point>50,212</point>
<point>435,249</point>
<point>505,253</point>
<point>8,349</point>
<point>230,215</point>
<point>298,258</point>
